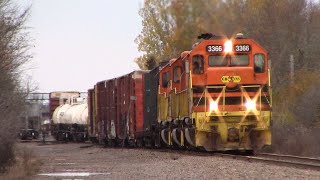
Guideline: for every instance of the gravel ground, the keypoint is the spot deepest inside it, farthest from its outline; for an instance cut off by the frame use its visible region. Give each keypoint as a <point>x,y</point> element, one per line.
<point>111,163</point>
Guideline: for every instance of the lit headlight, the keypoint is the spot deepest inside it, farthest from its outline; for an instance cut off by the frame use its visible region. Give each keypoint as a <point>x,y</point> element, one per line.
<point>250,105</point>
<point>213,106</point>
<point>228,46</point>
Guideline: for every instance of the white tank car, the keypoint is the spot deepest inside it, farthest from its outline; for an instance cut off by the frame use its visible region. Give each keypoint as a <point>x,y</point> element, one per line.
<point>59,112</point>
<point>76,113</point>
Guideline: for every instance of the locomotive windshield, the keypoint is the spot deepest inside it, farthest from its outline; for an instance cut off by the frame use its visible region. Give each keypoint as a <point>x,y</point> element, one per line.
<point>239,60</point>
<point>197,64</point>
<point>235,60</point>
<point>217,60</point>
<point>259,63</point>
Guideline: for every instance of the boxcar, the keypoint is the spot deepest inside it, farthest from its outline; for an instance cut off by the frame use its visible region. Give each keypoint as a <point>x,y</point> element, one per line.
<point>119,109</point>
<point>91,115</point>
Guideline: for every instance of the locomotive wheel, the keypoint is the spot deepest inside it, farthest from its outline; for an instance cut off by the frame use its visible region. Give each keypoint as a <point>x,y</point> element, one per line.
<point>176,136</point>
<point>165,136</point>
<point>189,135</point>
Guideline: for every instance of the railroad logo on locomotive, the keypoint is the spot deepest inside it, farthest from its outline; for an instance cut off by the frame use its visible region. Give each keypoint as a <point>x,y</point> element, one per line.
<point>226,79</point>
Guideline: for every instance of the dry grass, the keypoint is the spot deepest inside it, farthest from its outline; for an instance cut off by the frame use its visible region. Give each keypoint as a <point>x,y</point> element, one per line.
<point>296,112</point>
<point>24,166</point>
<point>296,140</point>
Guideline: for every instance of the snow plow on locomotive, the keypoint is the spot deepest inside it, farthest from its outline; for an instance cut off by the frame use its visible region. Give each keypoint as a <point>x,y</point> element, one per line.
<point>216,97</point>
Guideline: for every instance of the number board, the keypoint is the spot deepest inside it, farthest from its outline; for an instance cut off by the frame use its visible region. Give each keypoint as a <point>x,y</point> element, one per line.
<point>215,48</point>
<point>242,48</point>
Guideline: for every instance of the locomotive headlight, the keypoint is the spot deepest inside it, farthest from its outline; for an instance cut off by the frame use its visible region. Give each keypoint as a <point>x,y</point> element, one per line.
<point>228,46</point>
<point>250,105</point>
<point>213,106</point>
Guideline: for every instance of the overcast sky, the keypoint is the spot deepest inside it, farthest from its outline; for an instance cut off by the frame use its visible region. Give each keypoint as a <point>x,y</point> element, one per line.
<point>80,42</point>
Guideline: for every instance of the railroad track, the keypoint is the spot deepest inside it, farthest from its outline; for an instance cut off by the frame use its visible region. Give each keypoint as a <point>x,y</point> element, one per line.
<point>278,159</point>
<point>47,142</point>
<point>50,141</point>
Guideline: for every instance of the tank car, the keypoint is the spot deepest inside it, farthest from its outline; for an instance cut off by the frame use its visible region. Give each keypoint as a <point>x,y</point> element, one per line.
<point>69,121</point>
<point>58,98</point>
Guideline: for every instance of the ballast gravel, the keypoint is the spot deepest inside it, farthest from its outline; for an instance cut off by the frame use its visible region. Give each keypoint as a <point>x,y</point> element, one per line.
<point>85,161</point>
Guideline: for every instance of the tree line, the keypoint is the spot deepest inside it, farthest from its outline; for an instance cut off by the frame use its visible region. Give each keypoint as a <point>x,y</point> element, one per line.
<point>286,28</point>
<point>283,27</point>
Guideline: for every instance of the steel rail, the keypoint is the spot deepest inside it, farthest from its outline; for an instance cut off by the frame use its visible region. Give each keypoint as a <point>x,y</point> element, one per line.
<point>286,160</point>
<point>290,158</point>
<point>283,160</point>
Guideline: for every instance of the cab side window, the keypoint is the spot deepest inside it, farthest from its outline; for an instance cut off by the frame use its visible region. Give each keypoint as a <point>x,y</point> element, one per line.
<point>259,66</point>
<point>197,64</point>
<point>165,79</point>
<point>177,71</point>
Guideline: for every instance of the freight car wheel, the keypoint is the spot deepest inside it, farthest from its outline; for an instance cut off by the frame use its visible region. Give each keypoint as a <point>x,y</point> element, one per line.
<point>147,142</point>
<point>60,137</point>
<point>140,143</point>
<point>80,138</point>
<point>112,143</point>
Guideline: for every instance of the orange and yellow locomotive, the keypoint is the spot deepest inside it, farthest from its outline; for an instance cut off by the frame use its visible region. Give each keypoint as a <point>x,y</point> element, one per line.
<point>216,96</point>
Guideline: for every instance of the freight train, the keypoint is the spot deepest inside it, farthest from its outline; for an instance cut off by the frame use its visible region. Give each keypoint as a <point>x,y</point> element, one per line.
<point>69,119</point>
<point>215,97</point>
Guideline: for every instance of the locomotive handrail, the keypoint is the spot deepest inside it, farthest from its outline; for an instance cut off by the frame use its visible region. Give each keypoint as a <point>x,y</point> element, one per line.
<point>200,98</point>
<point>181,91</point>
<point>250,86</point>
<point>243,90</point>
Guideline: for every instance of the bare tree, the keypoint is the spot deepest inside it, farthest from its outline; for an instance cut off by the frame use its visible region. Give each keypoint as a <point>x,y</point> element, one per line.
<point>13,54</point>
